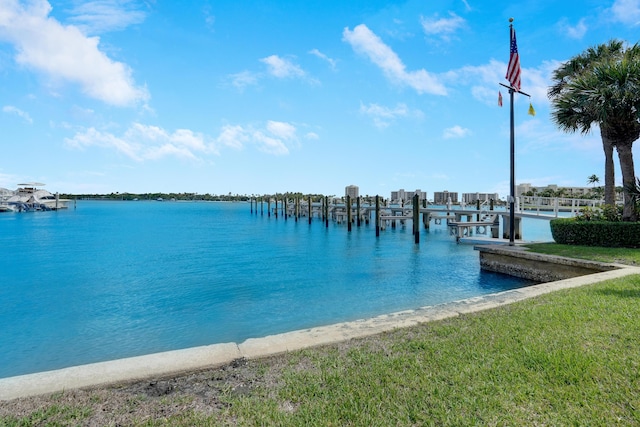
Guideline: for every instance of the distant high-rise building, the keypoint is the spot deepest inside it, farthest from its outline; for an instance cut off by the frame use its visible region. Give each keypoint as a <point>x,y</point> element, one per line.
<point>405,196</point>
<point>352,191</point>
<point>442,197</point>
<point>483,197</point>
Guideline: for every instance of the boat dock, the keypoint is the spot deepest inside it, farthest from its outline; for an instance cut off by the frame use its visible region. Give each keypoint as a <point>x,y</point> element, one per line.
<point>463,222</point>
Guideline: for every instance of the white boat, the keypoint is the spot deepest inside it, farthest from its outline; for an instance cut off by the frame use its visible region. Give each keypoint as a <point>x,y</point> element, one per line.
<point>28,197</point>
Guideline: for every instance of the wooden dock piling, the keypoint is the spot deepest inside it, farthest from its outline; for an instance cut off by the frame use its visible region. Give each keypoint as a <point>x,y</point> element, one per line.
<point>425,215</point>
<point>377,216</point>
<point>416,218</point>
<point>326,211</point>
<point>348,207</point>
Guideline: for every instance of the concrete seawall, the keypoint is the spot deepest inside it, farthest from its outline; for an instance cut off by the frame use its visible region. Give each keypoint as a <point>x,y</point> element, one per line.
<point>206,357</point>
<point>517,261</point>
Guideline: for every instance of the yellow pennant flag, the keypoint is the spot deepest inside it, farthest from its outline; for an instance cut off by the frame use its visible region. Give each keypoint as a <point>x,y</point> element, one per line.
<point>532,112</point>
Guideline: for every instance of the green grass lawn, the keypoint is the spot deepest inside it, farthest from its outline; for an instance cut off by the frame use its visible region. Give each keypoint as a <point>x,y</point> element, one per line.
<point>571,357</point>
<point>568,358</point>
<point>617,255</point>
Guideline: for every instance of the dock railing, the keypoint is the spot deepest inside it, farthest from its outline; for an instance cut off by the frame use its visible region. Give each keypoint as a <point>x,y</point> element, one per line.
<point>555,205</point>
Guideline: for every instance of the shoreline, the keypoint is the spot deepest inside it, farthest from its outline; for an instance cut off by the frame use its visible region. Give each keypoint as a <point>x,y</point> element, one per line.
<point>205,357</point>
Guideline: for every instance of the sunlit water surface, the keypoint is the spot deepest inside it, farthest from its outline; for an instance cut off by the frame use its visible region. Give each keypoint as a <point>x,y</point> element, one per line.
<point>109,280</point>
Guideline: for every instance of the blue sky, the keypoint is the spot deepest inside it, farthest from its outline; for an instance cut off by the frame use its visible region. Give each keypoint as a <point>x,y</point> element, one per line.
<point>254,97</point>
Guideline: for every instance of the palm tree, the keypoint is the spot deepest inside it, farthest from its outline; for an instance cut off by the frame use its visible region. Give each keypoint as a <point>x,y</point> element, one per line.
<point>560,192</point>
<point>563,76</point>
<point>634,192</point>
<point>602,87</point>
<point>593,179</point>
<point>598,192</point>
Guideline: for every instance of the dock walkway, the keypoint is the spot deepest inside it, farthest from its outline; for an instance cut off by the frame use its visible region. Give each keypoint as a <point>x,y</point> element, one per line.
<point>462,222</point>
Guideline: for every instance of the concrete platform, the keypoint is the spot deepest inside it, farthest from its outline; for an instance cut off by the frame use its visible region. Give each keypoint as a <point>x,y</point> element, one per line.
<point>181,361</point>
<point>484,240</point>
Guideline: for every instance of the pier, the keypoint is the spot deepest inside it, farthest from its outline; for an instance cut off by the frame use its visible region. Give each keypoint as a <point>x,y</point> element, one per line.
<point>462,221</point>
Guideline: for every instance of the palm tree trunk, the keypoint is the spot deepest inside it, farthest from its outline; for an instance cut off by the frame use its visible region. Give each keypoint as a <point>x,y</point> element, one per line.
<point>609,171</point>
<point>625,156</point>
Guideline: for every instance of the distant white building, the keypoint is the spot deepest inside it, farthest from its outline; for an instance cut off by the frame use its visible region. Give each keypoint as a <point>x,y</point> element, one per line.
<point>352,191</point>
<point>483,197</point>
<point>442,197</point>
<point>570,192</point>
<point>405,196</point>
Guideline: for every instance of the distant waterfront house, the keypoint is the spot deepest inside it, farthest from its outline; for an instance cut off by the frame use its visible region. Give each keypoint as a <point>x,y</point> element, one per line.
<point>553,190</point>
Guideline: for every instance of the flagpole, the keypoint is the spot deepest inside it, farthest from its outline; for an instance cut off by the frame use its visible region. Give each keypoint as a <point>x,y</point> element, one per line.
<point>512,162</point>
<point>512,146</point>
<point>512,185</point>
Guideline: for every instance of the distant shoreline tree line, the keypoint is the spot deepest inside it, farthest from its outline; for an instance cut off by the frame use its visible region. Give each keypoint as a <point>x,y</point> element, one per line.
<point>594,193</point>
<point>229,197</point>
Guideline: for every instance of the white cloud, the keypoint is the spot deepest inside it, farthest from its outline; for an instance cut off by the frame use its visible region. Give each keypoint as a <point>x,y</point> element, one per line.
<point>455,132</point>
<point>443,27</point>
<point>536,135</point>
<point>383,116</point>
<point>626,11</point>
<point>484,80</point>
<point>332,62</point>
<point>63,53</point>
<point>233,136</point>
<point>281,130</point>
<point>576,32</point>
<point>105,15</point>
<point>93,137</point>
<point>143,142</point>
<point>269,144</point>
<point>282,68</point>
<point>277,66</point>
<point>274,138</point>
<point>209,18</point>
<point>364,41</point>
<point>244,79</point>
<point>10,109</point>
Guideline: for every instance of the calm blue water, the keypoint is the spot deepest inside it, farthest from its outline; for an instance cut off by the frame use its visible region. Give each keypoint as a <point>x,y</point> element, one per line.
<point>117,279</point>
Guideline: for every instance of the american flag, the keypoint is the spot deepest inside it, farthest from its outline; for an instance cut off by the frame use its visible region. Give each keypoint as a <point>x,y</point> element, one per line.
<point>513,70</point>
